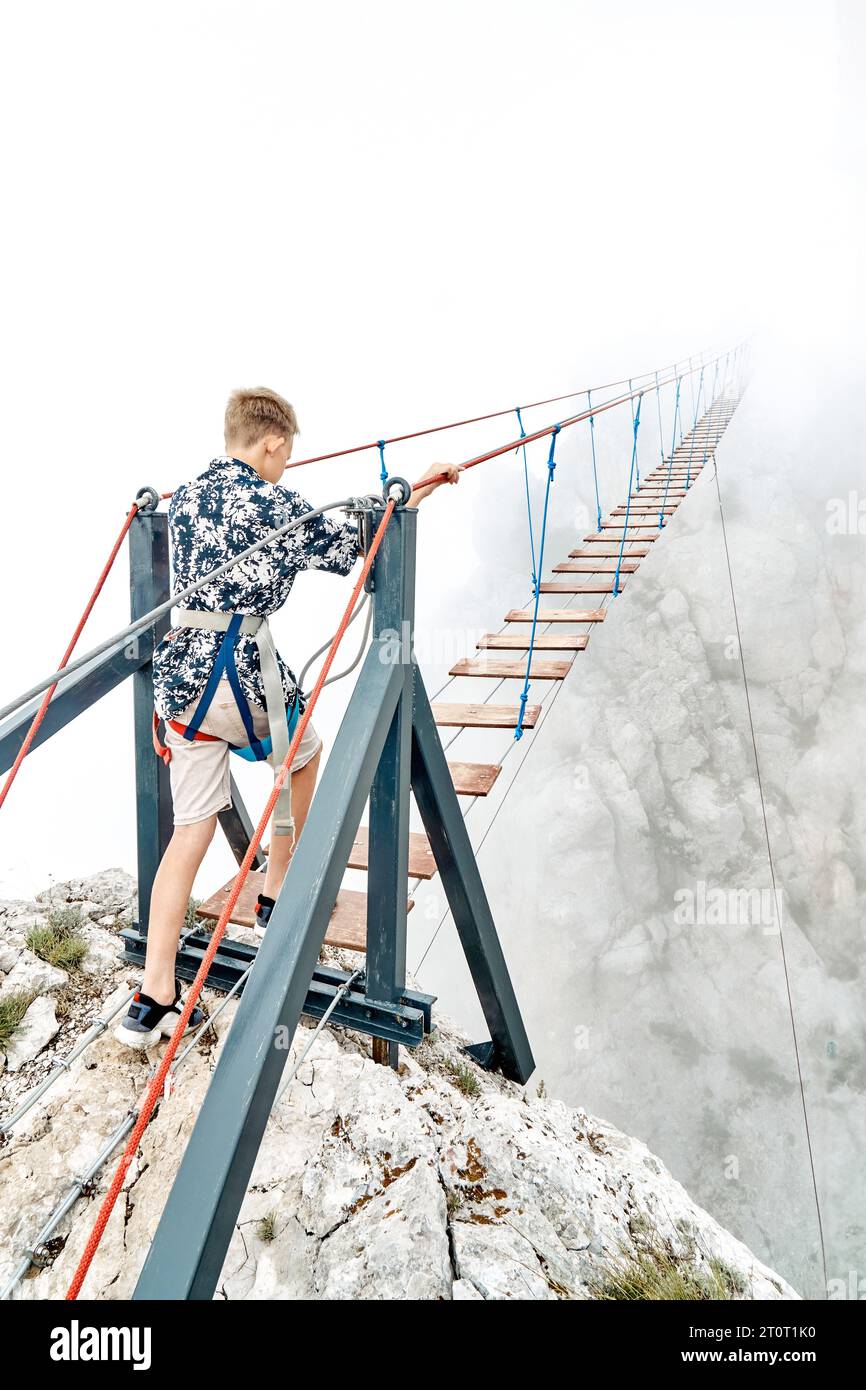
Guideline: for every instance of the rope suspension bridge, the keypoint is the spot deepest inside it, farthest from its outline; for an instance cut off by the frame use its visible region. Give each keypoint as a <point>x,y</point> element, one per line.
<point>391,745</point>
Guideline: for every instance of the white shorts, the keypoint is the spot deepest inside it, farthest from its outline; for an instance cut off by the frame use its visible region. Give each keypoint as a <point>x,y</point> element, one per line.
<point>200,771</point>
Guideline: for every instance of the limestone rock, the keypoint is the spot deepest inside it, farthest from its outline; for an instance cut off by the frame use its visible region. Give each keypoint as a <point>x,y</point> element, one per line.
<point>111,892</point>
<point>31,975</point>
<point>36,1030</point>
<point>103,950</point>
<point>369,1184</point>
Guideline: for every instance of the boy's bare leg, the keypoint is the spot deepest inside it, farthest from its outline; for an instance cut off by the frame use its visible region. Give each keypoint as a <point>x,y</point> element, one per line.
<point>168,904</point>
<point>281,846</point>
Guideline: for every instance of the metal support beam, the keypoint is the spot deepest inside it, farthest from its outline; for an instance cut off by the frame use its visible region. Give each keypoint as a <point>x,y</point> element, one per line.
<point>387,736</point>
<point>406,1020</point>
<point>74,695</point>
<point>449,840</point>
<point>149,583</point>
<point>388,861</point>
<point>190,1243</point>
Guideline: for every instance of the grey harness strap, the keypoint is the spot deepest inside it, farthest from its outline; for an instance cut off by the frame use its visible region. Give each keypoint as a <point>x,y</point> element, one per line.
<point>257,627</point>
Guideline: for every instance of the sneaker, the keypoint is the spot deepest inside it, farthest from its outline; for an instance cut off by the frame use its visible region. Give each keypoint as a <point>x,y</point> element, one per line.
<point>146,1021</point>
<point>264,908</point>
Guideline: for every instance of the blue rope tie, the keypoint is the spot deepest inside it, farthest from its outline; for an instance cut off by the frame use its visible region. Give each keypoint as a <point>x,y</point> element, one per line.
<point>551,465</point>
<point>635,428</point>
<point>671,460</point>
<point>528,504</point>
<point>694,427</point>
<point>594,469</point>
<point>637,461</point>
<point>383,472</point>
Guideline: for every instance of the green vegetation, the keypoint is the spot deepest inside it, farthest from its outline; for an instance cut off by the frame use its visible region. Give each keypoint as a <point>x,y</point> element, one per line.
<point>463,1078</point>
<point>657,1272</point>
<point>12,1011</point>
<point>191,920</point>
<point>266,1230</point>
<point>60,942</point>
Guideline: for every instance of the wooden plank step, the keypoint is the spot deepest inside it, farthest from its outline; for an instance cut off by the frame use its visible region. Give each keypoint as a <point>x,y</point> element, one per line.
<point>557,615</point>
<point>648,509</point>
<point>598,586</point>
<point>347,927</point>
<point>421,861</point>
<point>469,716</point>
<point>632,551</point>
<point>603,565</point>
<point>598,539</point>
<point>540,670</point>
<point>473,779</point>
<point>641,533</point>
<point>544,641</point>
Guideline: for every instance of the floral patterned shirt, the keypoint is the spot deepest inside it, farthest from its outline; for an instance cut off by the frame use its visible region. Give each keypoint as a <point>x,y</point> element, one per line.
<point>217,515</point>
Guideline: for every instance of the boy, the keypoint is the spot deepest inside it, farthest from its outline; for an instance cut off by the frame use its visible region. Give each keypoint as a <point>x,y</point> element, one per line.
<point>218,680</point>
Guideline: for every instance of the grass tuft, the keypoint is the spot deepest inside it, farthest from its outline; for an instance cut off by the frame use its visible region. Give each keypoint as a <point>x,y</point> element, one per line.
<point>266,1230</point>
<point>658,1273</point>
<point>12,1011</point>
<point>59,942</point>
<point>191,918</point>
<point>463,1078</point>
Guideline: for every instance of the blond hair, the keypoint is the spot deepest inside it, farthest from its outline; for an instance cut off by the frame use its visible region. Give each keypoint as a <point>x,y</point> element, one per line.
<point>253,414</point>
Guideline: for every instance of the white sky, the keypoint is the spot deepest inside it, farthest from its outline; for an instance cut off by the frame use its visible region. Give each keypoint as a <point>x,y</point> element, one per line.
<point>395,214</point>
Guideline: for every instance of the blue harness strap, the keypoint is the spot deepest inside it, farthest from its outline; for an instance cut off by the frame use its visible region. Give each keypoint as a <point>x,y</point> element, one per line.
<point>225,665</point>
<point>226,646</point>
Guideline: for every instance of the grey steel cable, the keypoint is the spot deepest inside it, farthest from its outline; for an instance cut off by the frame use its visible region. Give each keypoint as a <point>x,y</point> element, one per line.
<point>344,987</point>
<point>148,619</point>
<point>325,645</point>
<point>79,1185</point>
<point>783,953</point>
<point>62,1064</point>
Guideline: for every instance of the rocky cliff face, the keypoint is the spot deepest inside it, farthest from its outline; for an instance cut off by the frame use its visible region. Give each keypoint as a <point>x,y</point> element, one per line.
<point>439,1181</point>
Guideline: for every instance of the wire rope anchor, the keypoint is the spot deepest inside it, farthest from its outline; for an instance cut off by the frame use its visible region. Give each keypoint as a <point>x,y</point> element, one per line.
<point>147,499</point>
<point>388,489</point>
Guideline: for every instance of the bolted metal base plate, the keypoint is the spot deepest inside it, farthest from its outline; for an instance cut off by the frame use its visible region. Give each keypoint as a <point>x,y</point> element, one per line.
<point>405,1022</point>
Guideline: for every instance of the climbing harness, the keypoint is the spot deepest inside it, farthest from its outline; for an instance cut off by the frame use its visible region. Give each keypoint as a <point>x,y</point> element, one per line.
<point>281,721</point>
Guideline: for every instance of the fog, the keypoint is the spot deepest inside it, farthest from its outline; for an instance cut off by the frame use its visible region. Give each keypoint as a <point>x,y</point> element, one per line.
<point>399,216</point>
